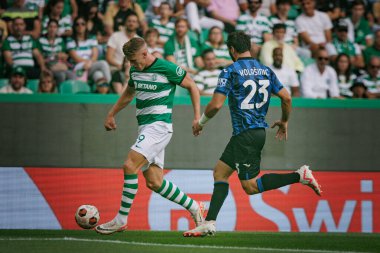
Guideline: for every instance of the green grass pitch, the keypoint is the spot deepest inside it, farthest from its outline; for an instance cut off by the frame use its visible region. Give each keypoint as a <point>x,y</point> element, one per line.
<point>62,241</point>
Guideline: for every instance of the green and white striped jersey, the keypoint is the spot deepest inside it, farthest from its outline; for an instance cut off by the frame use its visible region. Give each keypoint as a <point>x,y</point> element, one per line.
<point>373,84</point>
<point>346,47</point>
<point>155,87</point>
<point>172,47</point>
<point>51,49</point>
<point>291,30</point>
<point>64,24</point>
<point>22,50</point>
<point>254,26</point>
<point>207,80</point>
<point>165,31</point>
<point>84,48</point>
<point>220,52</point>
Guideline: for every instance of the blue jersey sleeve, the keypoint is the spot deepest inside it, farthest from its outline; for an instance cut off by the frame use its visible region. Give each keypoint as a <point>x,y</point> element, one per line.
<point>224,82</point>
<point>275,83</point>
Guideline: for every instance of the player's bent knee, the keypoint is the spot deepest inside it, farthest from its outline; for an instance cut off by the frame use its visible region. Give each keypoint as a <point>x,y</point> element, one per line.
<point>129,167</point>
<point>219,176</point>
<point>250,189</point>
<point>154,185</point>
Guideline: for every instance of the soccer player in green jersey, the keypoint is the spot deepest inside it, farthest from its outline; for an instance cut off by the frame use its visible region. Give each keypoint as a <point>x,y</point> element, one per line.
<point>153,81</point>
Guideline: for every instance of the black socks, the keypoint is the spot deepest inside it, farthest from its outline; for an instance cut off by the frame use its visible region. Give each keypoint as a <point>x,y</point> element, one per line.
<point>273,181</point>
<point>218,196</point>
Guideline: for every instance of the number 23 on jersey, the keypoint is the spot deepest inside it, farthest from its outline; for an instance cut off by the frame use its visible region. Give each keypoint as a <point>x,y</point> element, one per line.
<point>262,89</point>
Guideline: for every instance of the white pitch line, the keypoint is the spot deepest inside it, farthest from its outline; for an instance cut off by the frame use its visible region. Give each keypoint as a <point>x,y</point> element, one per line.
<point>174,245</point>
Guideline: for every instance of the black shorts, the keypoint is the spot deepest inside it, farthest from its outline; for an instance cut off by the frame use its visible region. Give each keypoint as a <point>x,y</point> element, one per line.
<point>243,153</point>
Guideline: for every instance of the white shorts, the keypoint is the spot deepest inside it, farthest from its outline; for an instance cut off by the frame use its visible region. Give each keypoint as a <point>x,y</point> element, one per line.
<point>151,142</point>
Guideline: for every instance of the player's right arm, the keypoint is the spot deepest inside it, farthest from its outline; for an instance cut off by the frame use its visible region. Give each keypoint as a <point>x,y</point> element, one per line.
<point>286,107</point>
<point>217,101</point>
<point>215,105</point>
<point>212,109</point>
<point>189,84</point>
<point>125,98</point>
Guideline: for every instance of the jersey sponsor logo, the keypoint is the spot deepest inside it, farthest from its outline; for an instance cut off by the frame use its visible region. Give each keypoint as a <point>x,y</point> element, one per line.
<point>222,82</point>
<point>179,71</point>
<point>254,71</point>
<point>145,86</point>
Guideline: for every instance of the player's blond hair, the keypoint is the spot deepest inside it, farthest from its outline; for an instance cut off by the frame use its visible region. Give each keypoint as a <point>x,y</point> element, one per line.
<point>132,46</point>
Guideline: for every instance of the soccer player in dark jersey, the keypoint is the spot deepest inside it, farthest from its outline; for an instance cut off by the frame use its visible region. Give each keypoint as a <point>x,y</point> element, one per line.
<point>248,85</point>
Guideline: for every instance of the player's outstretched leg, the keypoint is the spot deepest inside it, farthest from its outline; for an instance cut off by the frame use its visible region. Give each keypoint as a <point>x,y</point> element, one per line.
<point>119,223</point>
<point>171,192</point>
<point>303,175</point>
<point>307,178</point>
<point>267,182</point>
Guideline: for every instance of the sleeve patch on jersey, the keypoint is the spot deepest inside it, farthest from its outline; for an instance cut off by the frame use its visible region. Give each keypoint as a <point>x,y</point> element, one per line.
<point>222,82</point>
<point>179,71</point>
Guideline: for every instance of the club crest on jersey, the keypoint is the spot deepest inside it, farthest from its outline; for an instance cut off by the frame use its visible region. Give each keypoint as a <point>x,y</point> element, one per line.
<point>179,71</point>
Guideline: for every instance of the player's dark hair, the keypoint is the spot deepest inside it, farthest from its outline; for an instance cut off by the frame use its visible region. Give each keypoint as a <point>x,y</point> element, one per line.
<point>240,41</point>
<point>132,46</point>
<point>279,2</point>
<point>206,52</point>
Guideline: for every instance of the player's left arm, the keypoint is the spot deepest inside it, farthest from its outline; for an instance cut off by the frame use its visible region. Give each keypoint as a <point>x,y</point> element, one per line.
<point>286,107</point>
<point>220,94</point>
<point>189,84</point>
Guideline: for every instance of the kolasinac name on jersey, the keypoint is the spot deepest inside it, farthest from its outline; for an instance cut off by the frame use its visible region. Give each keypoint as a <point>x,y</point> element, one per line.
<point>253,72</point>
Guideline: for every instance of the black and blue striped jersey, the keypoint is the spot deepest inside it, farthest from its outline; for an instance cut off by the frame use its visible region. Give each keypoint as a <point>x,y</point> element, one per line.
<point>248,85</point>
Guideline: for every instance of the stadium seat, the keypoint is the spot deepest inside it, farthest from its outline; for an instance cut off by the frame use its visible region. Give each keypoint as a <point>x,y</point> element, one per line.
<point>3,82</point>
<point>33,85</point>
<point>73,87</point>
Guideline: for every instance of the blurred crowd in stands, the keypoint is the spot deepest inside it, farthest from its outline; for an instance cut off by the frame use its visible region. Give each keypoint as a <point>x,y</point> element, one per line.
<point>317,48</point>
